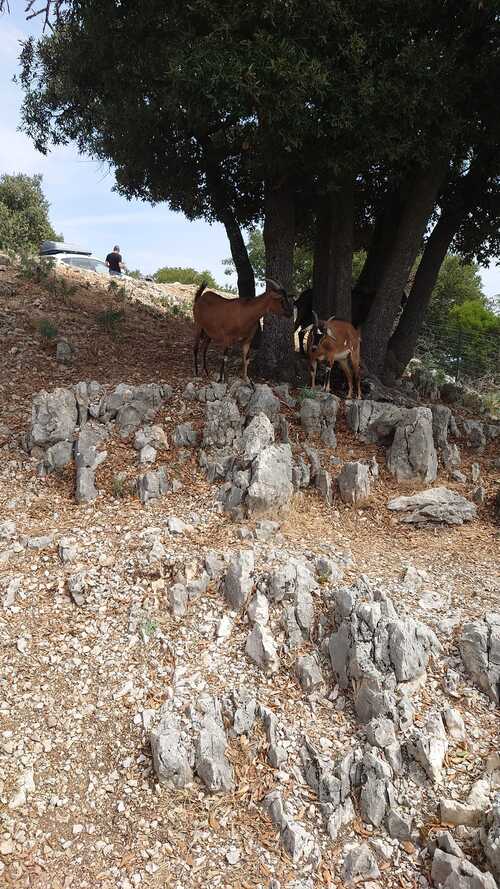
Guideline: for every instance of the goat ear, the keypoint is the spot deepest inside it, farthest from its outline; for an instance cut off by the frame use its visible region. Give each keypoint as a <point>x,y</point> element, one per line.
<point>315,318</point>
<point>272,285</point>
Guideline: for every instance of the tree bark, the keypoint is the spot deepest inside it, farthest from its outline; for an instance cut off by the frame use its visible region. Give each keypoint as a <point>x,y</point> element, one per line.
<point>384,234</point>
<point>403,341</point>
<point>275,359</point>
<point>221,197</point>
<point>321,262</point>
<point>244,270</point>
<point>342,248</point>
<point>379,325</point>
<point>332,273</point>
<point>460,200</point>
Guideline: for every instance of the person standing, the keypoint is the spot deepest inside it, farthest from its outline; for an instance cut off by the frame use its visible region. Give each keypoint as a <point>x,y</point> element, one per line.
<point>114,261</point>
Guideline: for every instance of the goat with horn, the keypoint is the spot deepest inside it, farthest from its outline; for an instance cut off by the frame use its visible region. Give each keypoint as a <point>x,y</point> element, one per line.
<point>332,341</point>
<point>227,322</point>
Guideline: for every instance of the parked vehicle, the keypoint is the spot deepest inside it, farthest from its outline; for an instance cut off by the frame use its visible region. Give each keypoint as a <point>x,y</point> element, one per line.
<point>75,257</point>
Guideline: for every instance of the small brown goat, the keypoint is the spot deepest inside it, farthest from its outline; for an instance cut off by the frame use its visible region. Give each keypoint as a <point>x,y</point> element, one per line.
<point>227,322</point>
<point>333,341</point>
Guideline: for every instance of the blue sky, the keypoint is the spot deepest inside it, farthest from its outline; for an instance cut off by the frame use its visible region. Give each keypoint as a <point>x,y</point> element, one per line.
<point>82,204</point>
<point>84,207</point>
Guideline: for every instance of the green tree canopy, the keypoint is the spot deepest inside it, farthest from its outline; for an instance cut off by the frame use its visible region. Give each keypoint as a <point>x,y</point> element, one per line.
<point>458,282</point>
<point>24,213</point>
<point>178,275</point>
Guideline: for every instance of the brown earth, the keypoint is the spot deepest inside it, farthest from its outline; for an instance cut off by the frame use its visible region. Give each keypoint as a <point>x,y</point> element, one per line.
<point>96,817</point>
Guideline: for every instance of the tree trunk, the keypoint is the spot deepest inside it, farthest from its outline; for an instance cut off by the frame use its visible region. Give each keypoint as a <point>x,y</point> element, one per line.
<point>276,353</point>
<point>384,234</point>
<point>321,264</point>
<point>387,302</point>
<point>403,341</point>
<point>332,275</point>
<point>244,270</point>
<point>342,247</point>
<point>221,197</point>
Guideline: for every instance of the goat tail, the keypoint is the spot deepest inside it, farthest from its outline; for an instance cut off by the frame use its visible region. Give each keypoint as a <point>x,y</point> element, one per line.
<point>200,290</point>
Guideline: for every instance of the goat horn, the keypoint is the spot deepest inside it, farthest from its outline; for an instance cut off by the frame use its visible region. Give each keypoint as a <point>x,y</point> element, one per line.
<point>272,285</point>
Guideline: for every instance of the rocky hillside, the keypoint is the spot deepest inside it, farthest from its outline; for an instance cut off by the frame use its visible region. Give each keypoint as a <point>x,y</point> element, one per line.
<point>250,638</point>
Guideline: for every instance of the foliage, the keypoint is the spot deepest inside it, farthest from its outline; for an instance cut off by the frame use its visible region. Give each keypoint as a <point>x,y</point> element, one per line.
<point>178,275</point>
<point>135,273</point>
<point>24,214</point>
<point>110,319</point>
<point>119,485</point>
<point>457,283</point>
<point>461,332</point>
<point>61,289</point>
<point>119,291</point>
<point>47,330</point>
<point>302,262</point>
<point>306,393</point>
<point>32,268</point>
<point>229,100</point>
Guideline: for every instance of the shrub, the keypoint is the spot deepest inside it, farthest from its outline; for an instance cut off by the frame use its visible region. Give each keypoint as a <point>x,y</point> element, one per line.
<point>110,319</point>
<point>34,268</point>
<point>178,275</point>
<point>47,330</point>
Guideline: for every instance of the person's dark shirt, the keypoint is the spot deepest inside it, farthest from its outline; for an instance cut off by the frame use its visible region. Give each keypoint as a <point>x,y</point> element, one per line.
<point>114,260</point>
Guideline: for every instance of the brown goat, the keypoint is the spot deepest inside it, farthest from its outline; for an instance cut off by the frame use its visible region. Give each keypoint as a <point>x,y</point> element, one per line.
<point>227,322</point>
<point>333,341</point>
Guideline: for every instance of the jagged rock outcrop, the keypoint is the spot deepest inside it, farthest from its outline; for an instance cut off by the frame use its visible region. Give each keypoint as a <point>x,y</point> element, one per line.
<point>259,473</point>
<point>435,506</point>
<point>479,645</point>
<point>412,454</point>
<point>87,459</point>
<point>172,758</point>
<point>54,416</point>
<point>131,406</point>
<point>295,839</point>
<point>354,481</point>
<point>373,651</point>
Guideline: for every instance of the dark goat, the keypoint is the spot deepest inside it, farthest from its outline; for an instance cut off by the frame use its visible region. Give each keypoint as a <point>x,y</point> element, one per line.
<point>304,317</point>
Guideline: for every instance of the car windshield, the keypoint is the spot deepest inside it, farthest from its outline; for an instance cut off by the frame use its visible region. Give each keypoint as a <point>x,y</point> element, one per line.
<point>87,263</point>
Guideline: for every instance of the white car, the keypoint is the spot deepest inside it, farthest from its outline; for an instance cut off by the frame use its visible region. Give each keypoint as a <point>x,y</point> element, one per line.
<point>75,257</point>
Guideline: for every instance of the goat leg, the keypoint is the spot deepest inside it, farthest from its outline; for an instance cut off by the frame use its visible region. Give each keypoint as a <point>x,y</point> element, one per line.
<point>205,347</point>
<point>346,367</point>
<point>302,334</point>
<point>195,353</point>
<point>222,376</point>
<point>326,385</point>
<point>314,365</point>
<point>245,348</point>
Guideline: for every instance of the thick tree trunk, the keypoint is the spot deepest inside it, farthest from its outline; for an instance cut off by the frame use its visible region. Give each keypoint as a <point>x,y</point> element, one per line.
<point>321,264</point>
<point>244,270</point>
<point>342,248</point>
<point>383,237</point>
<point>275,359</point>
<point>332,275</point>
<point>387,302</point>
<point>403,341</point>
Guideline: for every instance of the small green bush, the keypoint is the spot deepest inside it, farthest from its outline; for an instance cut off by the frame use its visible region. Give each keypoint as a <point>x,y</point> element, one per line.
<point>47,330</point>
<point>119,486</point>
<point>307,393</point>
<point>34,268</point>
<point>110,320</point>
